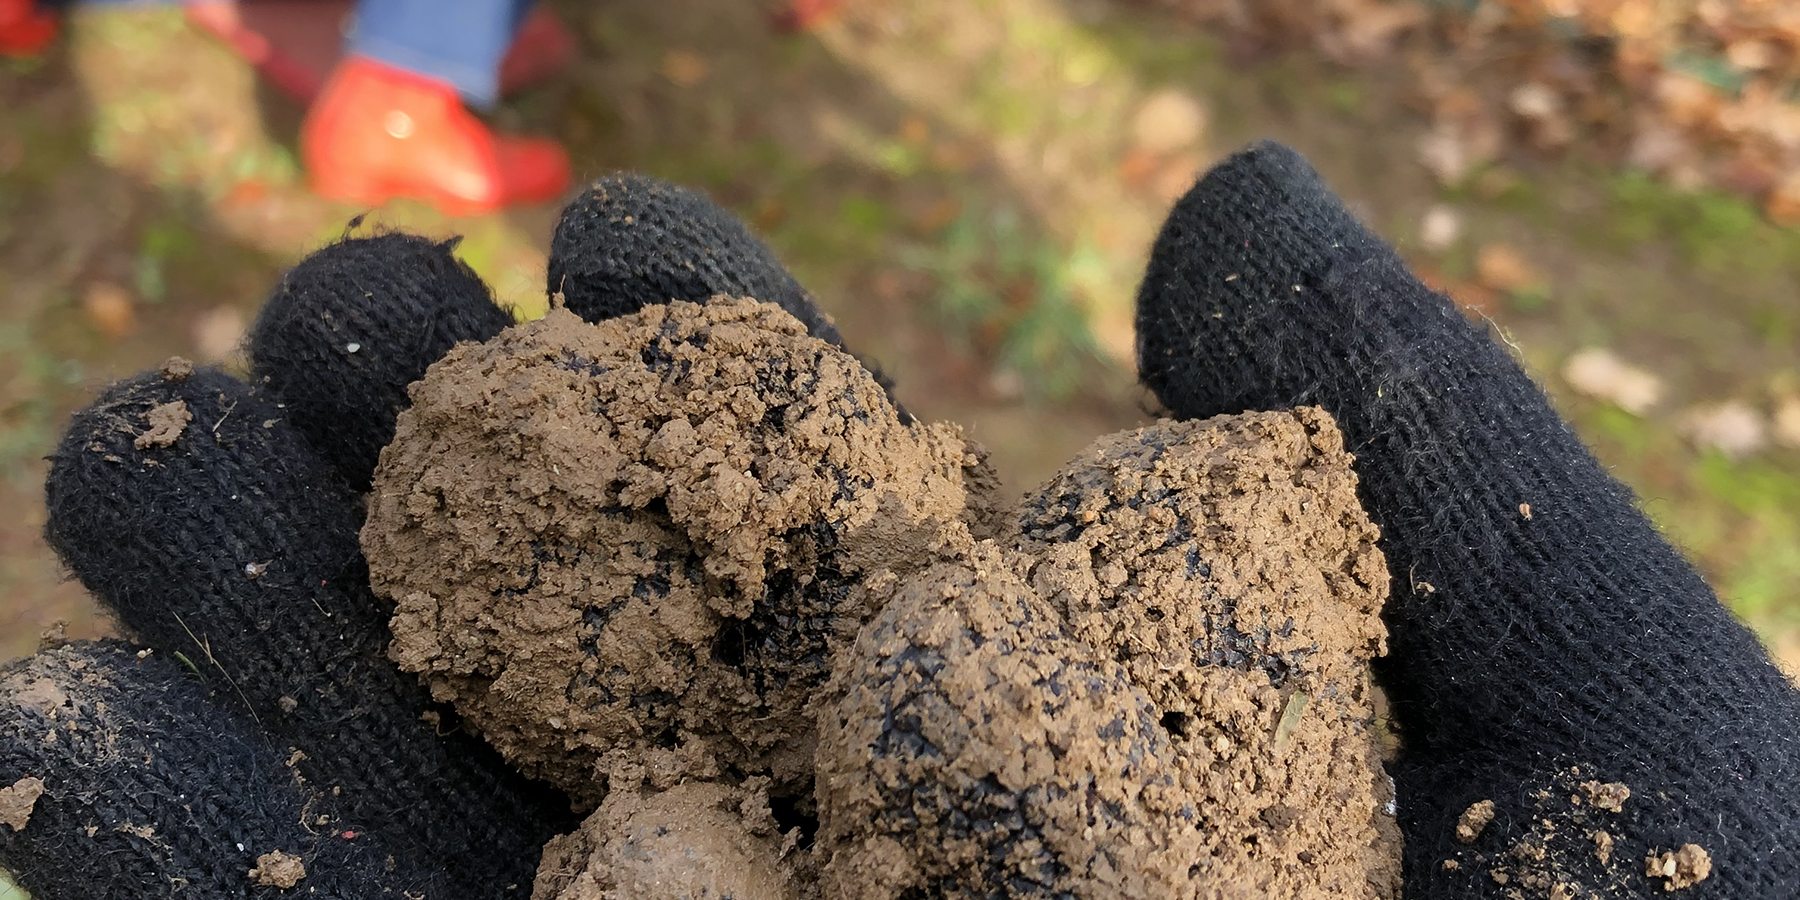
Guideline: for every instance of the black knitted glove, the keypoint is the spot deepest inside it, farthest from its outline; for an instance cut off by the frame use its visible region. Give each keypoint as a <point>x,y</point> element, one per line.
<point>1539,661</point>
<point>218,521</point>
<point>1543,635</point>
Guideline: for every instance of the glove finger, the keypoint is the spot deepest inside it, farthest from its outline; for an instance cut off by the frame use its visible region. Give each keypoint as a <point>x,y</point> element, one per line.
<point>355,323</point>
<point>1542,632</point>
<point>631,240</point>
<point>128,781</point>
<point>190,506</point>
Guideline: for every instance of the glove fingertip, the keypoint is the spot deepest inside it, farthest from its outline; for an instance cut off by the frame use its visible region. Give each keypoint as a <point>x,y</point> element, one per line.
<point>630,241</point>
<point>352,325</point>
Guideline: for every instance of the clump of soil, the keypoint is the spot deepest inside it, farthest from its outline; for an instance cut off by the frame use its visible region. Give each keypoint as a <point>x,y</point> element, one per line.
<point>166,423</point>
<point>1229,570</point>
<point>644,535</point>
<point>1474,820</point>
<point>695,841</point>
<point>278,869</point>
<point>973,743</point>
<point>1682,868</point>
<point>18,800</point>
<point>1161,691</point>
<point>631,553</point>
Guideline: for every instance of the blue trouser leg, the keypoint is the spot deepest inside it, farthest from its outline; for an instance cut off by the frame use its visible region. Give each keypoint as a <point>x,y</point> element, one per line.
<point>458,41</point>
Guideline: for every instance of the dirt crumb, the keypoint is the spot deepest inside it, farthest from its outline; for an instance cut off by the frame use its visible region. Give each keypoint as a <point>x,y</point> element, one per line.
<point>1682,868</point>
<point>177,368</point>
<point>166,422</point>
<point>646,534</point>
<point>1474,820</point>
<point>278,869</point>
<point>1610,796</point>
<point>56,635</point>
<point>696,841</point>
<point>17,801</point>
<point>1603,847</point>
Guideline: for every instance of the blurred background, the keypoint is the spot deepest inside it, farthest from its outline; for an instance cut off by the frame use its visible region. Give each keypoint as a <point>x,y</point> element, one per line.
<point>970,187</point>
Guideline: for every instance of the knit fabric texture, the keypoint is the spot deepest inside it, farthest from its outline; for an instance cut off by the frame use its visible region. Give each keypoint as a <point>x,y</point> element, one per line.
<point>152,789</point>
<point>1542,633</point>
<point>352,325</point>
<point>632,240</point>
<point>191,507</point>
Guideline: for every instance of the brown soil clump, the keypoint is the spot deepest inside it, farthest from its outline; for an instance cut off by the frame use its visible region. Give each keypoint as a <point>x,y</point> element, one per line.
<point>278,869</point>
<point>973,743</point>
<point>1474,820</point>
<point>1681,868</point>
<point>1229,569</point>
<point>18,800</point>
<point>166,422</point>
<point>696,841</point>
<point>1610,796</point>
<point>1163,692</point>
<point>644,535</point>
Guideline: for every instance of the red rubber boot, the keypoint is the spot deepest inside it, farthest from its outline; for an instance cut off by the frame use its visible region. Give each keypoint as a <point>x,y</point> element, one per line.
<point>25,30</point>
<point>378,132</point>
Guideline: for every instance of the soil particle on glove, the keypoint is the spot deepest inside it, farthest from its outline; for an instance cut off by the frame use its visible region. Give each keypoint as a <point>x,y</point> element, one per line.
<point>696,841</point>
<point>278,869</point>
<point>972,743</point>
<point>177,368</point>
<point>1226,566</point>
<point>1569,839</point>
<point>1474,820</point>
<point>1682,868</point>
<point>1603,847</point>
<point>17,802</point>
<point>1610,796</point>
<point>166,422</point>
<point>645,534</point>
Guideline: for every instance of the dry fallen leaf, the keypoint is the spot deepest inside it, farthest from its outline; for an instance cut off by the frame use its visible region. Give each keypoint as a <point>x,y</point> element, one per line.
<point>218,332</point>
<point>1503,268</point>
<point>1598,373</point>
<point>1787,423</point>
<point>1783,203</point>
<point>1733,428</point>
<point>1440,228</point>
<point>109,309</point>
<point>1167,121</point>
<point>685,67</point>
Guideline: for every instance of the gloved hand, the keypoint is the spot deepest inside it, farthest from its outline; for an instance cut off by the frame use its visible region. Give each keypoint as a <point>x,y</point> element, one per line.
<point>1548,646</point>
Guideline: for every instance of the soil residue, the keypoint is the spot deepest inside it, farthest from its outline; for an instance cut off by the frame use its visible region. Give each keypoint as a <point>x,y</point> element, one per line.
<point>1474,820</point>
<point>166,422</point>
<point>177,368</point>
<point>644,535</point>
<point>1610,796</point>
<point>696,841</point>
<point>1228,568</point>
<point>17,802</point>
<point>1681,868</point>
<point>278,869</point>
<point>1573,839</point>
